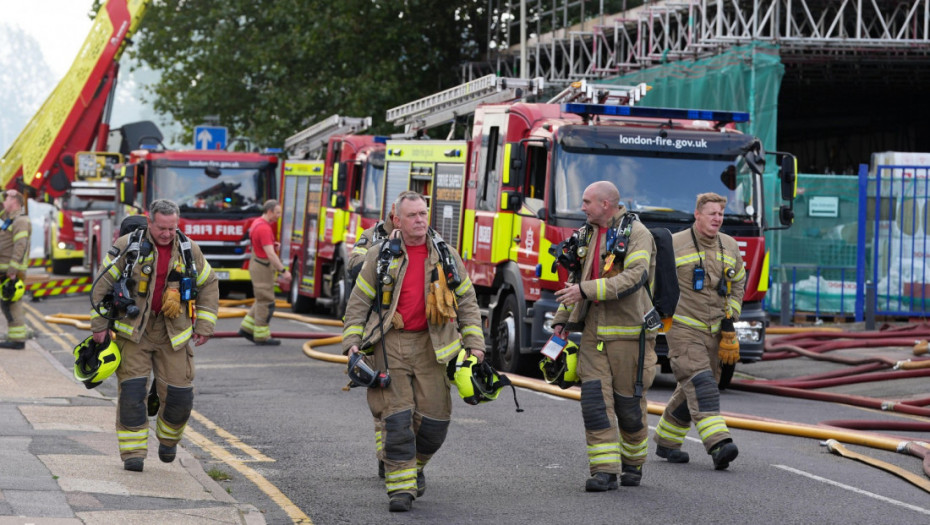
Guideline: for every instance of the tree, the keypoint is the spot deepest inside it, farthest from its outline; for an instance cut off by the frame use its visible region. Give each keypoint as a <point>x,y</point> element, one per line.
<point>269,68</point>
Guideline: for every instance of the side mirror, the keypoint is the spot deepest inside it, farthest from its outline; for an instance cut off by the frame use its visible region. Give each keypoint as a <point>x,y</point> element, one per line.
<point>127,190</point>
<point>511,201</point>
<point>728,177</point>
<point>788,173</point>
<point>212,171</point>
<point>786,215</point>
<point>541,214</point>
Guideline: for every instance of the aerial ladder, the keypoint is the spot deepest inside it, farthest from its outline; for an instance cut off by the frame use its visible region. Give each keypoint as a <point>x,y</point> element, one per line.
<point>315,138</point>
<point>75,116</point>
<point>444,107</point>
<point>584,92</point>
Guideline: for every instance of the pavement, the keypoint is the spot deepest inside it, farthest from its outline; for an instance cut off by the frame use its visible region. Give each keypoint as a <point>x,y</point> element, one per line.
<point>60,465</point>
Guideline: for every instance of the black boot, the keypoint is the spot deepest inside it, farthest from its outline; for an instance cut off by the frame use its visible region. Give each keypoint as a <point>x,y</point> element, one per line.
<point>401,502</point>
<point>134,464</point>
<point>631,475</point>
<point>167,454</point>
<point>601,482</point>
<point>421,484</point>
<point>673,455</point>
<point>13,345</point>
<point>723,453</point>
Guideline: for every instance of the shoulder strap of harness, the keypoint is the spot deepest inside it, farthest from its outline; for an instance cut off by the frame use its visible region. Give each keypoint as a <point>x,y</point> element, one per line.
<point>449,268</point>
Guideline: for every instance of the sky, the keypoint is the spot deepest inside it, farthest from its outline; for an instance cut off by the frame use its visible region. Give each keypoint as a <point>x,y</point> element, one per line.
<point>60,27</point>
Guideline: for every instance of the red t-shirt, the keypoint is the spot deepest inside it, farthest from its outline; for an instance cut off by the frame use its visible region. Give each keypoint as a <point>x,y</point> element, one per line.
<point>261,234</point>
<point>162,260</point>
<point>411,305</point>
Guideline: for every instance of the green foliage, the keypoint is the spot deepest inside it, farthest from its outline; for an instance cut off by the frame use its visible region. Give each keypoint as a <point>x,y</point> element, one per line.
<point>269,68</point>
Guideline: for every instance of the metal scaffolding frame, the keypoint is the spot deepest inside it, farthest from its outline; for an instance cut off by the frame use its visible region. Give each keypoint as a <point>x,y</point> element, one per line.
<point>807,31</point>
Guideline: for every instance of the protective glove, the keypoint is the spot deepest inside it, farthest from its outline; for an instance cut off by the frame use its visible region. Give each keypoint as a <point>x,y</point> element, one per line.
<point>728,351</point>
<point>445,299</point>
<point>171,302</point>
<point>432,311</point>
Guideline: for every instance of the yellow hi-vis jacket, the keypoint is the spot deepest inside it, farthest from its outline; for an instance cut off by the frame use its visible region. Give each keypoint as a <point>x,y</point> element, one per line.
<point>704,309</point>
<point>180,329</point>
<point>14,242</point>
<point>620,293</point>
<point>447,339</point>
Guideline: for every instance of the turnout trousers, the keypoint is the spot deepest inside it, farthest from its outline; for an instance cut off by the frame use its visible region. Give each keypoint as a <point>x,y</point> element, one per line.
<point>693,357</point>
<point>16,323</point>
<point>174,376</point>
<point>256,322</point>
<point>413,411</point>
<point>616,429</point>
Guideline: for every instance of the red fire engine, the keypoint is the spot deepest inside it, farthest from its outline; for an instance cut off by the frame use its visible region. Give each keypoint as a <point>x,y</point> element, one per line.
<point>335,207</point>
<point>519,188</point>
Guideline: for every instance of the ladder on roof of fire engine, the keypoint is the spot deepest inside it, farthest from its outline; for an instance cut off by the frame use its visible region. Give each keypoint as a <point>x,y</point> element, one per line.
<point>443,107</point>
<point>315,137</point>
<point>588,93</point>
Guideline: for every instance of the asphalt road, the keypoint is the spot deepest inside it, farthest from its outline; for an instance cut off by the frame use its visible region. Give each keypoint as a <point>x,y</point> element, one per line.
<point>301,449</point>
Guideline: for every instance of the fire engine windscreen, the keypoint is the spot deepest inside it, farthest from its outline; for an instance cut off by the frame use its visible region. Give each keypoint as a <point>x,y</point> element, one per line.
<point>370,194</point>
<point>237,190</point>
<point>655,173</point>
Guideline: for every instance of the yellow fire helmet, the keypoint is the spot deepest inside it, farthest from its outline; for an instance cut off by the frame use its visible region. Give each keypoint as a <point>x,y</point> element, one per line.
<point>12,290</point>
<point>564,370</point>
<point>95,362</point>
<point>478,382</point>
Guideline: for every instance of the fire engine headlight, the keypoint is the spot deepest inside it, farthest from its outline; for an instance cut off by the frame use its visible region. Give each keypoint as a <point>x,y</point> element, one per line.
<point>547,324</point>
<point>65,245</point>
<point>748,331</point>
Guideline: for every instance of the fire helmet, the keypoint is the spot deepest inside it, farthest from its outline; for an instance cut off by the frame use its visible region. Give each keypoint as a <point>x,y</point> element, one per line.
<point>476,382</point>
<point>95,362</point>
<point>564,370</point>
<point>12,290</point>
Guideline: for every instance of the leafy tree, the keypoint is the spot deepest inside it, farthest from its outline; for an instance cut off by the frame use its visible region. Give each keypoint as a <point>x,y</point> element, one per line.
<point>269,68</point>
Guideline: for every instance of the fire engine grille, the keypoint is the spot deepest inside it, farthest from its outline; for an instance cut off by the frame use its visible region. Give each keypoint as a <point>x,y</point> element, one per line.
<point>448,191</point>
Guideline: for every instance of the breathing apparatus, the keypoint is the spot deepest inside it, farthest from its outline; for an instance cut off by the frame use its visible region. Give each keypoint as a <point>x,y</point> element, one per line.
<point>95,362</point>
<point>449,268</point>
<point>570,253</point>
<point>563,370</point>
<point>361,374</point>
<point>478,382</point>
<point>12,290</point>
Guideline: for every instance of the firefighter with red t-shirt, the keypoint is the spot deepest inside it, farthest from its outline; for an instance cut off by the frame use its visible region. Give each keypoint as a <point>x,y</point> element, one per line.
<point>391,317</point>
<point>265,262</point>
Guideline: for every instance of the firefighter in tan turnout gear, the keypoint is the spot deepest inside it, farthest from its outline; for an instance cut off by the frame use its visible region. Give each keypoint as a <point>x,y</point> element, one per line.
<point>411,326</point>
<point>607,302</point>
<point>712,280</point>
<point>15,229</point>
<point>171,298</point>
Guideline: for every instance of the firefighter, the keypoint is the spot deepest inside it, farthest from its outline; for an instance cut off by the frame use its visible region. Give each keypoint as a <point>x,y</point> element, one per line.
<point>15,229</point>
<point>418,323</point>
<point>607,302</point>
<point>370,239</point>
<point>712,279</point>
<point>265,262</point>
<point>154,323</point>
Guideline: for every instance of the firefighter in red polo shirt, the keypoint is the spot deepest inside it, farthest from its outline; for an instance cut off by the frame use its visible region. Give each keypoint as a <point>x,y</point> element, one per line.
<point>265,262</point>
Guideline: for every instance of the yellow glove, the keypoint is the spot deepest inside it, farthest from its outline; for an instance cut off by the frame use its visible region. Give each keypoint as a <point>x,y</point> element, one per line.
<point>171,303</point>
<point>728,351</point>
<point>432,312</point>
<point>445,299</point>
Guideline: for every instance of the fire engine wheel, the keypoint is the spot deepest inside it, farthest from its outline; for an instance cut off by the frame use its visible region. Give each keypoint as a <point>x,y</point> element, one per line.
<point>61,266</point>
<point>726,375</point>
<point>340,291</point>
<point>94,261</point>
<point>507,337</point>
<point>299,303</point>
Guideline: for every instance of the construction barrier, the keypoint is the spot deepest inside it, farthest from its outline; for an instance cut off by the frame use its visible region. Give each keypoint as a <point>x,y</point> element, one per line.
<point>59,287</point>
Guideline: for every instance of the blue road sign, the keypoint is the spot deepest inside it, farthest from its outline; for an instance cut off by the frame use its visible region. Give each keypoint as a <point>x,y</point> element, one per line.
<point>210,137</point>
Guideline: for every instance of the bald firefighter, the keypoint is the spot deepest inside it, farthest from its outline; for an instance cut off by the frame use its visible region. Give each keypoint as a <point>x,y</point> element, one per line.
<point>15,229</point>
<point>169,298</point>
<point>607,302</point>
<point>712,280</point>
<point>393,317</point>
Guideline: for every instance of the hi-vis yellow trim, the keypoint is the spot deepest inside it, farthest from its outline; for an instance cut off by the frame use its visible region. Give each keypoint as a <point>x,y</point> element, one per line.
<point>181,338</point>
<point>335,178</point>
<point>363,286</point>
<point>206,315</point>
<point>635,256</point>
<point>468,235</point>
<point>340,225</point>
<point>709,426</point>
<point>503,237</point>
<point>505,171</point>
<point>514,245</point>
<point>450,349</point>
<point>764,275</point>
<point>355,329</point>
<point>545,258</point>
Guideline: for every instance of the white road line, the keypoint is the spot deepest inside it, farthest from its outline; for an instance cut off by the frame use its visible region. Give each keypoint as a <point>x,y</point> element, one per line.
<point>908,506</point>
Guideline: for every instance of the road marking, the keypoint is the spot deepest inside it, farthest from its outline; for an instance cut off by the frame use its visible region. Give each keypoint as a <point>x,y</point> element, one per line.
<point>39,326</point>
<point>263,484</point>
<point>815,477</point>
<point>231,439</point>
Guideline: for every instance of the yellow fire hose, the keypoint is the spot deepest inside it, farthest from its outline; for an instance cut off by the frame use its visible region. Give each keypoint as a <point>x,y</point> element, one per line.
<point>782,330</point>
<point>747,423</point>
<point>224,313</point>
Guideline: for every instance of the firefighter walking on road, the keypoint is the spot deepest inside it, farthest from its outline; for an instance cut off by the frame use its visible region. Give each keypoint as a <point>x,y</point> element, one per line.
<point>173,300</point>
<point>265,262</point>
<point>712,279</point>
<point>411,324</point>
<point>607,302</point>
<point>15,230</point>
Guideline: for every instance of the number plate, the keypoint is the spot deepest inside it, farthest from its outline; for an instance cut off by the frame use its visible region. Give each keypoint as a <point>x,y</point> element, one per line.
<point>223,276</point>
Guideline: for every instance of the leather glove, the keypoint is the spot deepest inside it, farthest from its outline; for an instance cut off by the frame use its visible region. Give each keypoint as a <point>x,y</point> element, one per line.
<point>445,299</point>
<point>171,302</point>
<point>728,351</point>
<point>432,311</point>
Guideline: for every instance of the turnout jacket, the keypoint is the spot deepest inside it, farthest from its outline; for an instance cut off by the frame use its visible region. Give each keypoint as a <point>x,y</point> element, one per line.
<point>704,309</point>
<point>363,324</point>
<point>181,329</point>
<point>621,289</point>
<point>14,242</point>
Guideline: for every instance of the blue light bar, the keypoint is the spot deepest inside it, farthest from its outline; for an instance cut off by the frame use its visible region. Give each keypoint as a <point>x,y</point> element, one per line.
<point>273,151</point>
<point>670,113</point>
<point>380,139</point>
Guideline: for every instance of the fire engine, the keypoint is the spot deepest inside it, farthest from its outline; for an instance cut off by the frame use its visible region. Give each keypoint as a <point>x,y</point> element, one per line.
<point>513,189</point>
<point>336,198</point>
